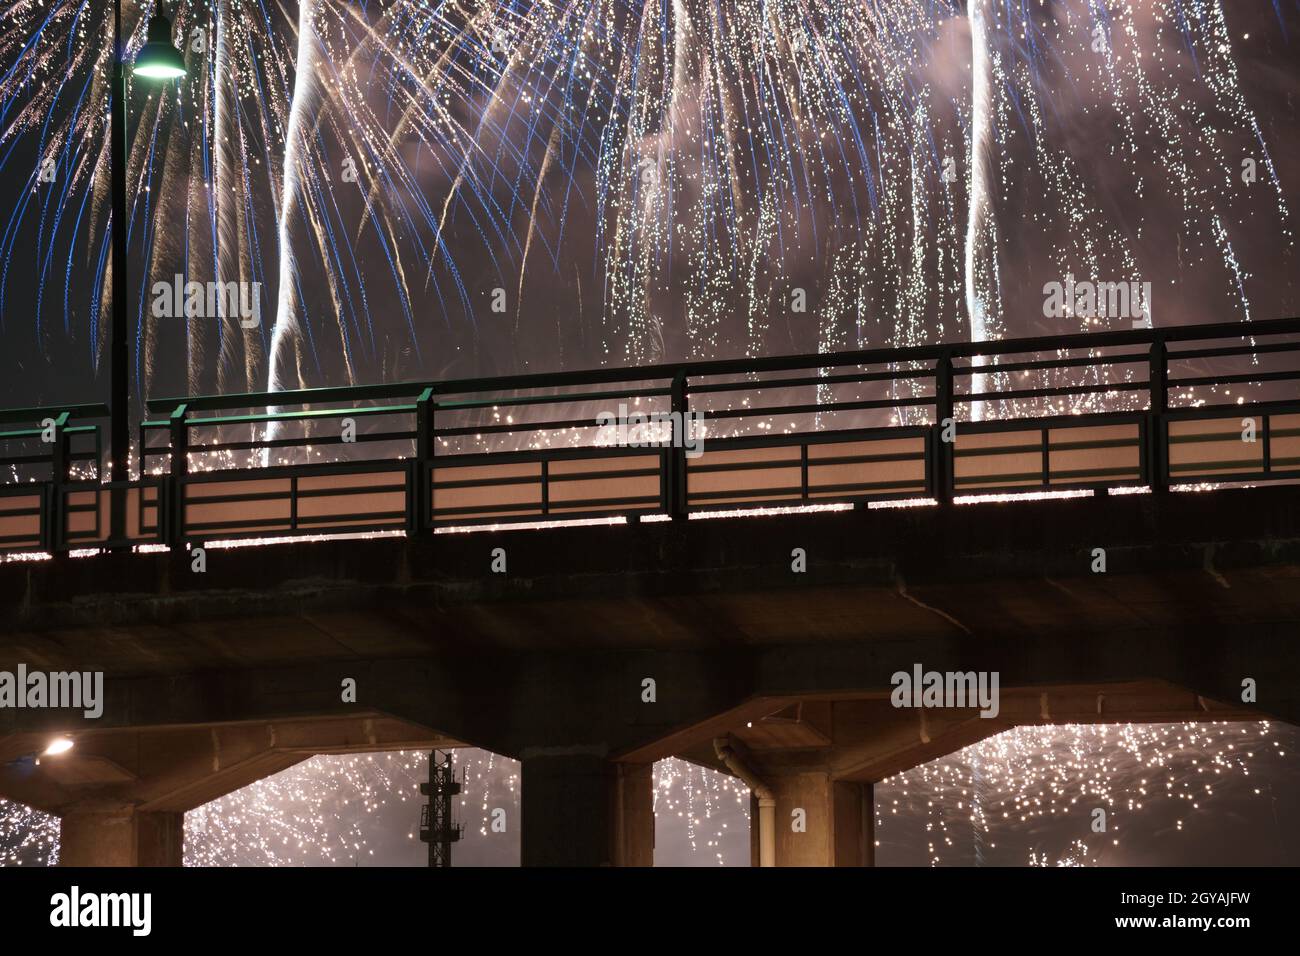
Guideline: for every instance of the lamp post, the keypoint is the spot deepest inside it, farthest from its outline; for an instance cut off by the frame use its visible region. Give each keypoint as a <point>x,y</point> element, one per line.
<point>157,60</point>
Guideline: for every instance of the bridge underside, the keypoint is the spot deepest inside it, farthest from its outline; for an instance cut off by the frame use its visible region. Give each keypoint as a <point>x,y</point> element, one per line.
<point>214,679</point>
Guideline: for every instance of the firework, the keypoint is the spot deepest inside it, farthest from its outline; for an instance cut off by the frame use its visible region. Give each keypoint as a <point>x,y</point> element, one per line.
<point>1021,797</point>
<point>645,180</point>
<point>1028,796</point>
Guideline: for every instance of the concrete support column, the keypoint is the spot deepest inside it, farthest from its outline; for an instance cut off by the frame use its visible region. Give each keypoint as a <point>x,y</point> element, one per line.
<point>820,821</point>
<point>854,815</point>
<point>582,810</point>
<point>121,838</point>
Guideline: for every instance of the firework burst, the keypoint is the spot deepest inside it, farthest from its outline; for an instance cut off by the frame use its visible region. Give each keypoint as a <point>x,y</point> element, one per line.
<point>1030,795</point>
<point>631,180</point>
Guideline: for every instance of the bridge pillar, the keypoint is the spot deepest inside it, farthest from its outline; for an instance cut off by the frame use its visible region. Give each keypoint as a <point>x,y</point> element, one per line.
<point>584,810</point>
<point>121,838</point>
<point>819,821</point>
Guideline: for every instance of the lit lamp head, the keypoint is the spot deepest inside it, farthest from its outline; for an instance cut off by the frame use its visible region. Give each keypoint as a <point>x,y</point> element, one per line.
<point>158,59</point>
<point>59,745</point>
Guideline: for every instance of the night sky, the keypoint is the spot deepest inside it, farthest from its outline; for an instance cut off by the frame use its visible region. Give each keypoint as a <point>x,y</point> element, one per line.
<point>642,183</point>
<point>651,183</point>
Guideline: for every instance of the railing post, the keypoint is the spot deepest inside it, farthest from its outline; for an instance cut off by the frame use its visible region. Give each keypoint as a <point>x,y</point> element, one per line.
<point>677,454</point>
<point>59,458</point>
<point>179,440</point>
<point>117,495</point>
<point>1157,451</point>
<point>941,456</point>
<point>417,505</point>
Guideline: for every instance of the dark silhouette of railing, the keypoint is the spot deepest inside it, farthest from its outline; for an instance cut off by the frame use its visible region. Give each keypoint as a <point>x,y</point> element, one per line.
<point>1132,408</point>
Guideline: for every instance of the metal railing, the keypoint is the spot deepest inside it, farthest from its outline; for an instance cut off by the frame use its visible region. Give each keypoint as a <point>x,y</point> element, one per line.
<point>1146,407</point>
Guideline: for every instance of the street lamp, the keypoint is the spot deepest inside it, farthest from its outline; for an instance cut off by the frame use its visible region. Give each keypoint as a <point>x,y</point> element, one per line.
<point>157,60</point>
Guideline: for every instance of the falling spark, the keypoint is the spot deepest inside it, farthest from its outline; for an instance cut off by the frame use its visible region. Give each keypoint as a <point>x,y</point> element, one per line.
<point>694,164</point>
<point>1017,790</point>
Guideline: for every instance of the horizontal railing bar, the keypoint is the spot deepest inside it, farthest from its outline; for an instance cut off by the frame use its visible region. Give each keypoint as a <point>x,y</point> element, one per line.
<point>247,497</point>
<point>991,479</point>
<point>23,488</point>
<point>348,519</point>
<point>815,408</point>
<point>1092,472</point>
<point>722,467</point>
<point>301,396</point>
<point>564,517</point>
<point>879,356</point>
<point>537,509</point>
<point>536,479</point>
<point>150,483</point>
<point>1133,442</point>
<point>1266,349</point>
<point>1243,378</point>
<point>1202,437</point>
<point>34,432</point>
<point>1051,392</point>
<point>1083,361</point>
<point>516,427</point>
<point>553,478</point>
<point>1034,447</point>
<point>822,438</point>
<point>37,413</point>
<point>214,527</point>
<point>361,437</point>
<point>914,483</point>
<point>310,470</point>
<point>348,490</point>
<point>536,455</point>
<point>533,507</point>
<point>550,399</point>
<point>867,459</point>
<point>1231,410</point>
<point>561,507</point>
<point>359,411</point>
<point>808,381</point>
<point>792,493</point>
<point>288,496</point>
<point>1090,420</point>
<point>1203,466</point>
<point>817,495</point>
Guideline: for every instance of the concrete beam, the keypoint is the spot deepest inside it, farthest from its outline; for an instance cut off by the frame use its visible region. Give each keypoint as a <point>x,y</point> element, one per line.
<point>175,770</point>
<point>1188,561</point>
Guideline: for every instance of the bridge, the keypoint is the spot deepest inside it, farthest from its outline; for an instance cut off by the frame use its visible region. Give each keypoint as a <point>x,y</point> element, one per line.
<point>1108,522</point>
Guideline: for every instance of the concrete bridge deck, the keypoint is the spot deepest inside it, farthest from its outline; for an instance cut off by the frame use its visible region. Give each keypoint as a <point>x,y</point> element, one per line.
<point>546,661</point>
